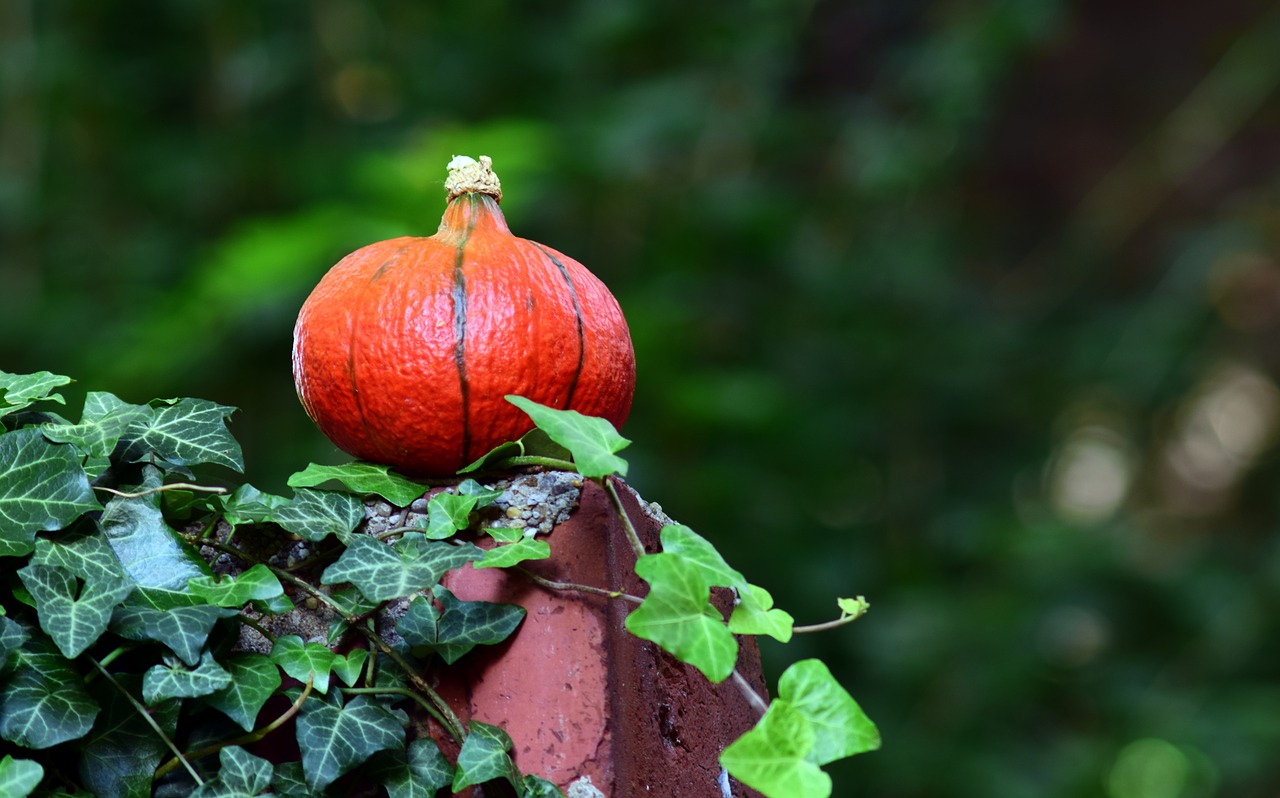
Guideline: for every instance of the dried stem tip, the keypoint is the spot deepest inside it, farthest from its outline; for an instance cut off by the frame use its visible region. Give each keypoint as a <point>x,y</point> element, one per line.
<point>469,176</point>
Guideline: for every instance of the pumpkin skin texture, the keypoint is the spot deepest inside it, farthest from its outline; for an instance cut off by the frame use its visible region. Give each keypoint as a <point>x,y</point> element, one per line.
<point>404,351</point>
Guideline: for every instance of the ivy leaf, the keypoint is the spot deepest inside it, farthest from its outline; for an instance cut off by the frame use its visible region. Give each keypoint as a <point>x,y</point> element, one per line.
<point>593,441</point>
<point>152,553</point>
<point>349,667</point>
<point>538,787</point>
<point>24,390</point>
<point>678,616</point>
<point>700,556</point>
<point>840,726</point>
<point>248,505</point>
<point>447,513</point>
<point>304,661</point>
<point>288,781</point>
<point>853,607</point>
<point>511,554</point>
<point>183,629</point>
<point>419,772</point>
<point>363,478</point>
<point>383,572</point>
<point>755,615</point>
<point>505,534</point>
<point>241,775</point>
<point>12,636</point>
<point>335,739</point>
<point>44,701</point>
<point>774,756</point>
<point>18,777</point>
<point>105,419</point>
<point>73,612</point>
<point>83,550</point>
<point>122,752</point>
<point>254,679</point>
<point>484,496</point>
<point>484,757</point>
<point>314,514</point>
<point>42,488</point>
<point>255,584</point>
<point>174,680</point>
<point>534,443</point>
<point>186,432</point>
<point>455,627</point>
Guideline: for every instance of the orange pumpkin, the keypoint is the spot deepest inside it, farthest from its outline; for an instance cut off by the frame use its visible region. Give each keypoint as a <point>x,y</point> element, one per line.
<point>403,352</point>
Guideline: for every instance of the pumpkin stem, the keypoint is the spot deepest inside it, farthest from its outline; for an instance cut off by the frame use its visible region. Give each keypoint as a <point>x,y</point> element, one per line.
<point>469,176</point>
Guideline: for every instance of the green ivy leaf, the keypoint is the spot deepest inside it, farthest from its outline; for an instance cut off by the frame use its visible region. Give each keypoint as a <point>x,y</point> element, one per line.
<point>505,534</point>
<point>335,739</point>
<point>183,629</point>
<point>455,627</point>
<point>44,701</point>
<point>755,615</point>
<point>42,488</point>
<point>83,550</point>
<point>363,478</point>
<point>447,513</point>
<point>18,777</point>
<point>349,667</point>
<point>255,584</point>
<point>315,514</point>
<point>175,680</point>
<point>248,505</point>
<point>24,390</point>
<point>103,422</point>
<point>484,496</point>
<point>186,432</point>
<point>593,441</point>
<point>678,616</point>
<point>122,752</point>
<point>254,679</point>
<point>72,611</point>
<point>241,775</point>
<point>12,636</point>
<point>511,554</point>
<point>840,726</point>
<point>152,553</point>
<point>304,661</point>
<point>773,757</point>
<point>700,557</point>
<point>534,443</point>
<point>853,607</point>
<point>538,787</point>
<point>383,572</point>
<point>484,757</point>
<point>418,773</point>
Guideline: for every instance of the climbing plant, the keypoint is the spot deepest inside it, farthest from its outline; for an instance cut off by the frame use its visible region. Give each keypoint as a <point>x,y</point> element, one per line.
<point>131,588</point>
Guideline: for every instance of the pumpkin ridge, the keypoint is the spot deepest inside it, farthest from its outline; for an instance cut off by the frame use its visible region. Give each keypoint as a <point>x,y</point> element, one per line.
<point>352,350</point>
<point>459,295</point>
<point>577,316</point>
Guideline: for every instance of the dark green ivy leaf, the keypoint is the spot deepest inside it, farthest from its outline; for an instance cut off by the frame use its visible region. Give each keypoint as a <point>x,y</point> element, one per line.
<point>18,777</point>
<point>74,612</point>
<point>254,679</point>
<point>185,432</point>
<point>44,701</point>
<point>335,739</point>
<point>484,757</point>
<point>122,753</point>
<point>42,488</point>
<point>538,787</point>
<point>152,553</point>
<point>363,478</point>
<point>183,629</point>
<point>241,775</point>
<point>24,390</point>
<point>593,441</point>
<point>12,636</point>
<point>534,443</point>
<point>454,627</point>
<point>383,572</point>
<point>419,772</point>
<point>255,584</point>
<point>175,680</point>
<point>105,419</point>
<point>315,514</point>
<point>248,505</point>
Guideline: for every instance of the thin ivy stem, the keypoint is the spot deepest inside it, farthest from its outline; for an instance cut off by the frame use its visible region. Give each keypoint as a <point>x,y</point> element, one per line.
<point>552,463</point>
<point>749,692</point>
<point>822,627</point>
<point>403,691</point>
<point>259,628</point>
<point>161,489</point>
<point>251,737</point>
<point>598,591</point>
<point>146,716</point>
<point>633,537</point>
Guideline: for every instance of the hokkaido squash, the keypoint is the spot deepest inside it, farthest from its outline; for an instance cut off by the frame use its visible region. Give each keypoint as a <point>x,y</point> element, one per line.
<point>404,351</point>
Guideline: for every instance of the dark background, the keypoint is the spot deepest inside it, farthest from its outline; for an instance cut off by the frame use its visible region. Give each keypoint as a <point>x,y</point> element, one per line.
<point>971,307</point>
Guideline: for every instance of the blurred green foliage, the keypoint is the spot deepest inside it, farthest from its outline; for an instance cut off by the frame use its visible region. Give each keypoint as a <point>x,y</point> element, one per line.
<point>971,307</point>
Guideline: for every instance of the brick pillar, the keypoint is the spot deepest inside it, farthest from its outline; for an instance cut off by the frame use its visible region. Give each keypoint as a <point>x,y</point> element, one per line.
<point>580,696</point>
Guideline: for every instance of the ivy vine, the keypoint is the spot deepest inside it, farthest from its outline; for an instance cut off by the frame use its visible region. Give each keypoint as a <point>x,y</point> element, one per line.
<point>120,669</point>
